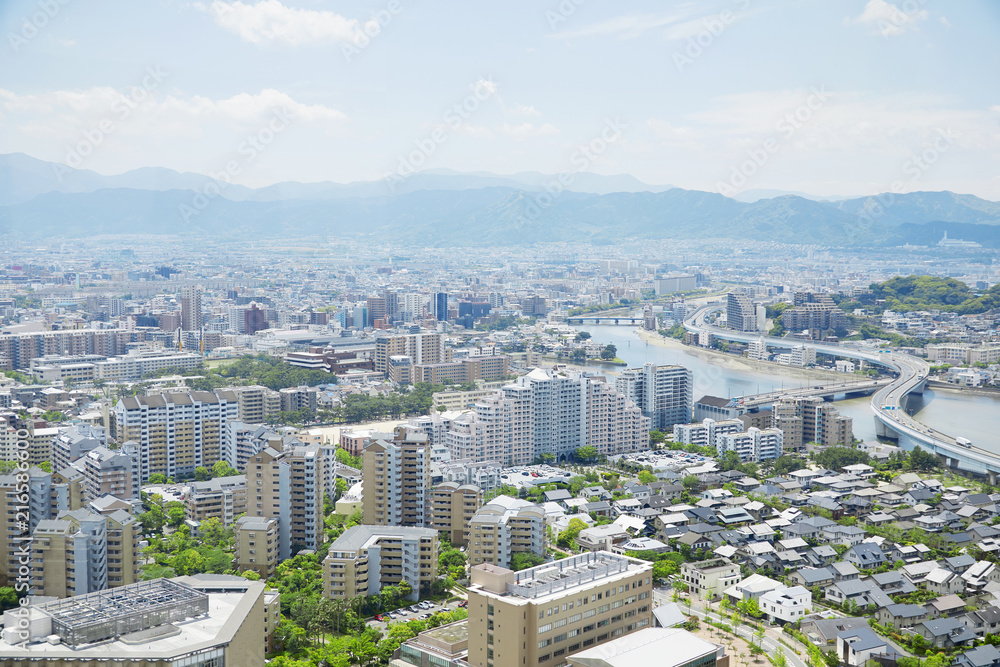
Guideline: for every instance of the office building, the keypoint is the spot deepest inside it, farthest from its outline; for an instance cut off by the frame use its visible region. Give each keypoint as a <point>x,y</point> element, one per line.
<point>440,301</point>
<point>534,305</point>
<point>397,480</point>
<point>544,614</point>
<point>663,393</point>
<point>452,507</point>
<point>402,370</point>
<point>741,313</point>
<point>672,284</point>
<point>503,527</point>
<point>663,647</point>
<point>257,545</point>
<point>191,314</point>
<point>288,486</point>
<point>443,646</point>
<point>176,432</point>
<point>365,559</point>
<point>196,621</point>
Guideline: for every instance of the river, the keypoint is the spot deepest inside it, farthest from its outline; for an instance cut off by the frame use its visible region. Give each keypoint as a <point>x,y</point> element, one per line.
<point>974,417</point>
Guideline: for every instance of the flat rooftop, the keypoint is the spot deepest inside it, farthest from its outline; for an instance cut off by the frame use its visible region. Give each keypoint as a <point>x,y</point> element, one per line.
<point>560,576</point>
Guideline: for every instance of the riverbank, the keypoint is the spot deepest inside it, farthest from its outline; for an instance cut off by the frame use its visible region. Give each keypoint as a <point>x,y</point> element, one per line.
<point>938,385</point>
<point>731,362</point>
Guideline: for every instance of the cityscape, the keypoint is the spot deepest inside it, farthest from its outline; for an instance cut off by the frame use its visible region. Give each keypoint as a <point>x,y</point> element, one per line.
<point>569,335</point>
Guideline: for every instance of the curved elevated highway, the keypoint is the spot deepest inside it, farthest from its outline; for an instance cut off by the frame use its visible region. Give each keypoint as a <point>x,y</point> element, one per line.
<point>891,420</point>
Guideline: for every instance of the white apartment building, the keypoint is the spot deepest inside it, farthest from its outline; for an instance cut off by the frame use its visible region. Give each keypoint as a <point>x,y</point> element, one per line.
<point>753,445</point>
<point>705,433</point>
<point>136,364</point>
<point>663,393</point>
<point>503,527</point>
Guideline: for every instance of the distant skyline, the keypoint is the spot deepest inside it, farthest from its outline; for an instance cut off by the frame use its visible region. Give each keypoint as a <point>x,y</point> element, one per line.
<point>842,98</point>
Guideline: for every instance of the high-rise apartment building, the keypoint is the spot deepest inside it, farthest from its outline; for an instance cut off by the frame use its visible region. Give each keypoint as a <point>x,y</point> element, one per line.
<point>176,432</point>
<point>814,312</point>
<point>288,486</point>
<point>425,348</point>
<point>663,393</point>
<point>257,545</point>
<point>541,615</point>
<point>222,498</point>
<point>254,320</point>
<point>811,419</point>
<point>111,471</point>
<point>191,315</point>
<point>365,559</point>
<point>397,478</point>
<point>81,552</point>
<point>752,445</point>
<point>503,527</point>
<point>256,403</point>
<point>741,313</point>
<point>452,507</point>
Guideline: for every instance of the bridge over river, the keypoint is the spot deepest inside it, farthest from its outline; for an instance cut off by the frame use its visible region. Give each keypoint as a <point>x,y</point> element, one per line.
<point>891,419</point>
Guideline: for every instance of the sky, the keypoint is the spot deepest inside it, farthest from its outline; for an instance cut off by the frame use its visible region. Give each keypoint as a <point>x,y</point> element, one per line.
<point>832,98</point>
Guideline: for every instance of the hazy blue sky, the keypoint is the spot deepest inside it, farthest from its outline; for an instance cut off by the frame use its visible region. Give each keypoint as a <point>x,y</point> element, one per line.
<point>831,97</point>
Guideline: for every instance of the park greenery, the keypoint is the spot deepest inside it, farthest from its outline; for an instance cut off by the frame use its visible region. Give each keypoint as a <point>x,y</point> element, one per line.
<point>912,293</point>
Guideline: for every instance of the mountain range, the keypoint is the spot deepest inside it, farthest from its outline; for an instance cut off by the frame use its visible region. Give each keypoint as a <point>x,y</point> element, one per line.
<point>446,208</point>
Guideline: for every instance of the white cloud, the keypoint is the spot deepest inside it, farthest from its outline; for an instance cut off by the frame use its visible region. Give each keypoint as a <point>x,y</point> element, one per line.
<point>525,110</point>
<point>629,26</point>
<point>887,19</point>
<point>526,130</point>
<point>269,21</point>
<point>65,113</point>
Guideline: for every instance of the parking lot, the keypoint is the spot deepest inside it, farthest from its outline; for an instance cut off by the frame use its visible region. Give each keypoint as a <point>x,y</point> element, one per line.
<point>405,614</point>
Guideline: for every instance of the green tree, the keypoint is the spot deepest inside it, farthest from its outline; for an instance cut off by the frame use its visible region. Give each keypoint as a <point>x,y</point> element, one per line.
<point>646,477</point>
<point>524,560</point>
<point>223,469</point>
<point>587,454</point>
<point>157,478</point>
<point>201,474</point>
<point>609,352</point>
<point>569,535</point>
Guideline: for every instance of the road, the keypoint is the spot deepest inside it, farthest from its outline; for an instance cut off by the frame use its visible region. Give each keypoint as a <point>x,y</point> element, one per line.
<point>770,642</point>
<point>911,371</point>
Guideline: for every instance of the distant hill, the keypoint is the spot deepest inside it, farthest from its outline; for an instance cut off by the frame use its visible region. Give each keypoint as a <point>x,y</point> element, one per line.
<point>914,293</point>
<point>451,209</point>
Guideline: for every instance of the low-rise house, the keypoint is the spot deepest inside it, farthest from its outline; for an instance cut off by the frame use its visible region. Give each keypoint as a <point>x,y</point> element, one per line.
<point>980,574</point>
<point>822,555</point>
<point>793,544</point>
<point>846,535</point>
<point>812,576</point>
<point>844,571</point>
<point>786,605</point>
<point>861,593</point>
<point>695,540</point>
<point>856,647</point>
<point>865,556</point>
<point>986,655</point>
<point>943,582</point>
<point>733,516</point>
<point>824,631</point>
<point>893,583</point>
<point>983,621</point>
<point>945,632</point>
<point>946,605</point>
<point>901,616</point>
<point>601,538</point>
<point>752,588</point>
<point>917,572</point>
<point>599,508</point>
<point>809,528</point>
<point>958,564</point>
